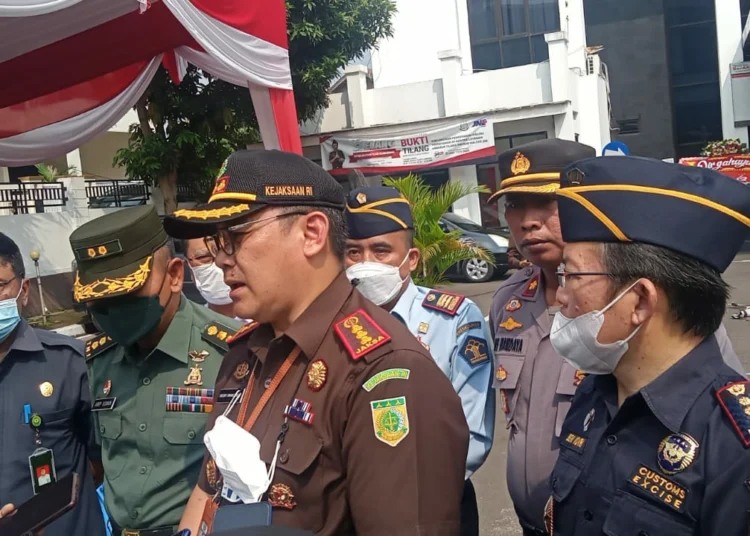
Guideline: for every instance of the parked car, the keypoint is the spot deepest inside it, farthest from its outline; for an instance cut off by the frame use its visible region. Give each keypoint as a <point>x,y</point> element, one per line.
<point>478,270</point>
<point>110,201</point>
<point>188,289</point>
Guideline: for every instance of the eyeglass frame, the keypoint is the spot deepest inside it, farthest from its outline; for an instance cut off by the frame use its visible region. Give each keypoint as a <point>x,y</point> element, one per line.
<point>215,244</point>
<point>562,274</point>
<point>6,284</point>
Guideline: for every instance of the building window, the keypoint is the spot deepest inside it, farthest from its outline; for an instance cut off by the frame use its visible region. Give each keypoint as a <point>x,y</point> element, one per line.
<point>509,33</point>
<point>493,214</point>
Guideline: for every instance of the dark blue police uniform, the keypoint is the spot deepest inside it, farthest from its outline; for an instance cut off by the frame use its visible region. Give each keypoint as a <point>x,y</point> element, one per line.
<point>674,458</point>
<point>46,371</point>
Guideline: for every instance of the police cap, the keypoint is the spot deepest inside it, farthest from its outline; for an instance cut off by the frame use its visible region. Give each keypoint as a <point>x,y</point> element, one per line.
<point>376,210</point>
<point>694,211</point>
<point>115,253</point>
<point>534,168</point>
<point>251,180</point>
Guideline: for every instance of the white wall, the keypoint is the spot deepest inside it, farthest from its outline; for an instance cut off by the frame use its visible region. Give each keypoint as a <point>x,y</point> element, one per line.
<point>96,155</point>
<point>49,234</point>
<point>422,28</point>
<point>526,85</point>
<point>729,47</point>
<point>402,104</point>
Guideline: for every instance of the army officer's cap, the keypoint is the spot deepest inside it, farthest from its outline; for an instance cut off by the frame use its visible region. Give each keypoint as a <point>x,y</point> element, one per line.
<point>534,168</point>
<point>250,180</point>
<point>376,210</point>
<point>695,211</point>
<point>115,253</point>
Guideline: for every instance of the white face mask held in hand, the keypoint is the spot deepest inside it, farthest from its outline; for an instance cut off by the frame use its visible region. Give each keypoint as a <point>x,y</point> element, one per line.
<point>575,340</point>
<point>378,282</point>
<point>236,453</point>
<point>209,280</point>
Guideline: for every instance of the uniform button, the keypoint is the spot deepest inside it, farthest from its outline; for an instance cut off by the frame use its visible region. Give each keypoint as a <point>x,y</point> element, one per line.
<point>554,482</point>
<point>146,381</point>
<point>267,383</point>
<point>142,427</point>
<point>101,429</point>
<point>611,439</point>
<point>191,434</point>
<point>588,516</point>
<point>134,514</point>
<point>143,470</point>
<point>284,456</point>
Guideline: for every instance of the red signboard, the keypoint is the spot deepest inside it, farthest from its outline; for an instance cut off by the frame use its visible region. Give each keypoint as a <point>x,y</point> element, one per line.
<point>735,166</point>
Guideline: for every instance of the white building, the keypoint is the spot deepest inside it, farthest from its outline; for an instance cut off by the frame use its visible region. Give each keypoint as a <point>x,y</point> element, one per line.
<point>522,65</point>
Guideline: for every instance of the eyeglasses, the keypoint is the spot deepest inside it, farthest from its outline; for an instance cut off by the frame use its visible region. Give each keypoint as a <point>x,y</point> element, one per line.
<point>562,274</point>
<point>5,285</point>
<point>226,240</point>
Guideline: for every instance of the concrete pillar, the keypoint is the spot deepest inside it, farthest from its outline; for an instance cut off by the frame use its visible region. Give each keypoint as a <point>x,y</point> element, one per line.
<point>560,81</point>
<point>78,201</point>
<point>4,175</point>
<point>73,158</point>
<point>450,66</point>
<point>468,206</point>
<point>573,25</point>
<point>729,47</point>
<point>356,86</point>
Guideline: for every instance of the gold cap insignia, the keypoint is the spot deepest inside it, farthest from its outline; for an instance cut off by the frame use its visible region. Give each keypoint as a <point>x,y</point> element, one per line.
<point>575,177</point>
<point>520,164</point>
<point>361,198</point>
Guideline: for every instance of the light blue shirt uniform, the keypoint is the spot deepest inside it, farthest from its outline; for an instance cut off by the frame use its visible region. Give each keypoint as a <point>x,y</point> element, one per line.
<point>453,330</point>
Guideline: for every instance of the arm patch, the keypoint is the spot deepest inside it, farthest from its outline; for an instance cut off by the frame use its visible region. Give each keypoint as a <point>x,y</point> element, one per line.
<point>360,334</point>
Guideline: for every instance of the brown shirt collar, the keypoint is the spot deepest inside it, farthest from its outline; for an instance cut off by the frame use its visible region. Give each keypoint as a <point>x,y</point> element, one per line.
<point>312,325</point>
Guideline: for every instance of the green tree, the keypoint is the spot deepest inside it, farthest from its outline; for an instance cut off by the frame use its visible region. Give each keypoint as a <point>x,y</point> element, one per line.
<point>439,250</point>
<point>185,132</point>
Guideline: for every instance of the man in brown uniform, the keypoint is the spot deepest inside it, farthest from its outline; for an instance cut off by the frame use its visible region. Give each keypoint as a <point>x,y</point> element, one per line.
<point>535,384</point>
<point>370,436</point>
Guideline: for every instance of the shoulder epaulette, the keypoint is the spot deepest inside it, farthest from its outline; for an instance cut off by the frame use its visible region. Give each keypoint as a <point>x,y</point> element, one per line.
<point>218,335</point>
<point>98,344</point>
<point>445,302</point>
<point>244,331</point>
<point>734,399</point>
<point>360,334</point>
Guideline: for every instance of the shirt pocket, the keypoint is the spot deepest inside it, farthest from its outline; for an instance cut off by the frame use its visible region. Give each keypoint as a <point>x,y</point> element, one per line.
<point>566,388</point>
<point>507,374</point>
<point>632,516</point>
<point>113,453</point>
<point>564,477</point>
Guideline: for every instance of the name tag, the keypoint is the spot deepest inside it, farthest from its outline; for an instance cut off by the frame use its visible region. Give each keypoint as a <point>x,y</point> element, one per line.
<point>663,489</point>
<point>103,404</point>
<point>576,442</point>
<point>226,395</point>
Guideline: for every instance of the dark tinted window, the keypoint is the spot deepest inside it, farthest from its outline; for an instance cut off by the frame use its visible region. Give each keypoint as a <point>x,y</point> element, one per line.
<point>482,19</point>
<point>688,11</point>
<point>486,57</point>
<point>692,54</point>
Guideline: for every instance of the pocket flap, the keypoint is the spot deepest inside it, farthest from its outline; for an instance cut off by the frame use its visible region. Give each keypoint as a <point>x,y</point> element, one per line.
<point>631,515</point>
<point>569,380</point>
<point>110,425</point>
<point>184,428</point>
<point>298,452</point>
<point>507,370</point>
<point>564,477</point>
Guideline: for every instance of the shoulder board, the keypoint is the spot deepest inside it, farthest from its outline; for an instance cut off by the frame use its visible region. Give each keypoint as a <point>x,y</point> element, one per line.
<point>445,302</point>
<point>244,331</point>
<point>517,278</point>
<point>360,334</point>
<point>218,335</point>
<point>734,399</point>
<point>97,345</point>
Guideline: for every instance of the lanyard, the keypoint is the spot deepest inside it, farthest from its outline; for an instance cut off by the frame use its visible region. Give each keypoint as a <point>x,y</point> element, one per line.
<point>275,382</point>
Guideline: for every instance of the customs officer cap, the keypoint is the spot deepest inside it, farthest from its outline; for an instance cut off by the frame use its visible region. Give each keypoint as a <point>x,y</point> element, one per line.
<point>251,180</point>
<point>115,253</point>
<point>534,168</point>
<point>376,210</point>
<point>695,211</point>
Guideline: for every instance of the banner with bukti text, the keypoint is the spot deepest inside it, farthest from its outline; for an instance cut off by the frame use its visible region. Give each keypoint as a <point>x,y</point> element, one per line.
<point>445,144</point>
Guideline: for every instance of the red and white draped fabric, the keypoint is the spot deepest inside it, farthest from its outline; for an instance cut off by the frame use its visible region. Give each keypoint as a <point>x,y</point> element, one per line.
<point>72,68</point>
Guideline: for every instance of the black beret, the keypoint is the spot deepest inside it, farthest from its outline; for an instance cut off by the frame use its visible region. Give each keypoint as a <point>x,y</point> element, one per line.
<point>695,211</point>
<point>376,210</point>
<point>534,168</point>
<point>251,180</point>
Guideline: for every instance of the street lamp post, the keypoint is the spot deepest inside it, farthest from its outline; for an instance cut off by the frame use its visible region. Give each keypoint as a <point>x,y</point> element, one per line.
<point>35,257</point>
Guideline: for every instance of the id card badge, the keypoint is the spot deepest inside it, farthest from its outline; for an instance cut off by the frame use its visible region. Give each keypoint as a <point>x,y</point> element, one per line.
<point>42,467</point>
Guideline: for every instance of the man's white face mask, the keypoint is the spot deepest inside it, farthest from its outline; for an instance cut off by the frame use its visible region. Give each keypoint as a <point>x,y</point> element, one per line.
<point>377,282</point>
<point>209,280</point>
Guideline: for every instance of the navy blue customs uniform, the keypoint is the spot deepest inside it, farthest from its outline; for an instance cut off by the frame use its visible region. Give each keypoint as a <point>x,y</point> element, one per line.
<point>672,457</point>
<point>46,430</point>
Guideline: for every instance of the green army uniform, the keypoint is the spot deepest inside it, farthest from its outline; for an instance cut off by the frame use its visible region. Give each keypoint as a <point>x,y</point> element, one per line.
<point>150,407</point>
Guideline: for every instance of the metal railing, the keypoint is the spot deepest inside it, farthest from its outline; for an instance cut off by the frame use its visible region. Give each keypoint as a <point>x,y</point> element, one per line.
<point>29,197</point>
<point>116,193</point>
